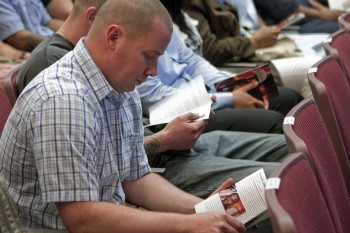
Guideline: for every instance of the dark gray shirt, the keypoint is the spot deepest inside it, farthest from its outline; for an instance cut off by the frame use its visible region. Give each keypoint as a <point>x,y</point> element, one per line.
<point>44,55</point>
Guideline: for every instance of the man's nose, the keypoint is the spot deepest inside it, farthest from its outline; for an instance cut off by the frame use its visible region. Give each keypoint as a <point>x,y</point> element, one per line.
<point>152,69</point>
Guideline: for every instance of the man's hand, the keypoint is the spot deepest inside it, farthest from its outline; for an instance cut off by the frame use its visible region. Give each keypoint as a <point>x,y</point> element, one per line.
<point>212,113</point>
<point>265,37</point>
<point>226,185</point>
<point>220,222</point>
<point>324,12</point>
<point>182,132</point>
<point>24,40</point>
<point>214,222</point>
<point>242,99</point>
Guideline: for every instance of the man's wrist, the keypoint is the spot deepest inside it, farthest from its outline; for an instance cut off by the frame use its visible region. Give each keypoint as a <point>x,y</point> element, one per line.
<point>152,144</point>
<point>24,55</point>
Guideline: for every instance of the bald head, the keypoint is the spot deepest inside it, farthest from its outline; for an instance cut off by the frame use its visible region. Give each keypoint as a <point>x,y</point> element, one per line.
<point>137,16</point>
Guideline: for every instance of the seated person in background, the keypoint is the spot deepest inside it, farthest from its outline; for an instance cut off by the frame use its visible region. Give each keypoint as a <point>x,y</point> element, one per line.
<point>319,17</point>
<point>291,72</point>
<point>247,14</point>
<point>234,111</point>
<point>288,71</point>
<point>75,136</point>
<point>56,46</point>
<point>9,59</point>
<point>221,34</point>
<point>179,64</point>
<point>58,9</point>
<point>184,25</point>
<point>180,145</point>
<point>25,24</point>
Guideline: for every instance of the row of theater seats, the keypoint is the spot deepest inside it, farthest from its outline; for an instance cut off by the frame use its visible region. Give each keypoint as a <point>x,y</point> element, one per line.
<point>313,194</point>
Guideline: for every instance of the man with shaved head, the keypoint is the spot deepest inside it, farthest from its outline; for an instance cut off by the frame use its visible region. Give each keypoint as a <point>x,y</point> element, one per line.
<point>72,149</point>
<point>180,147</point>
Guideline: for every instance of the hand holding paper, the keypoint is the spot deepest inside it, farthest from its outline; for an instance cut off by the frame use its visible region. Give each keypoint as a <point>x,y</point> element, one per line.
<point>179,134</point>
<point>245,200</point>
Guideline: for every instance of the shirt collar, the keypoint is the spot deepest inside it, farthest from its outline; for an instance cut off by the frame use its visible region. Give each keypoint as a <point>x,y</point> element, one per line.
<point>94,75</point>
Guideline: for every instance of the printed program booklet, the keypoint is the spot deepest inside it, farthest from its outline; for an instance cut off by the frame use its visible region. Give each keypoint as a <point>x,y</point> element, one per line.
<point>292,19</point>
<point>192,97</point>
<point>245,200</point>
<point>266,89</point>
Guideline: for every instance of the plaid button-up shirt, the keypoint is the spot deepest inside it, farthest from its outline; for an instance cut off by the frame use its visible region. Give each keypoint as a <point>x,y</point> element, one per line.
<point>71,137</point>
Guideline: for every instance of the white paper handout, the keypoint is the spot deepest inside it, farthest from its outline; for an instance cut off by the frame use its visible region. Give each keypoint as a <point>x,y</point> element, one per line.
<point>251,193</point>
<point>339,4</point>
<point>192,97</point>
<point>310,44</point>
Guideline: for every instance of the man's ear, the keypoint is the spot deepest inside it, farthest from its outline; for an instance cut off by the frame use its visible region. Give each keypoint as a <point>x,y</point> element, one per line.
<point>113,34</point>
<point>90,15</point>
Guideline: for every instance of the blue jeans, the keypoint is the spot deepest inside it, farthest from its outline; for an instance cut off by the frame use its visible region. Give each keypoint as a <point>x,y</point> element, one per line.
<point>220,155</point>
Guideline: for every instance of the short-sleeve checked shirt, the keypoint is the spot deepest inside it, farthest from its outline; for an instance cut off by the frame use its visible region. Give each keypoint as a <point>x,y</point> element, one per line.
<point>71,137</point>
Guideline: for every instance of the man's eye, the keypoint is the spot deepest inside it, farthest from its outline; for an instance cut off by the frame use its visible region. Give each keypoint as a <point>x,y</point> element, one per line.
<point>148,57</point>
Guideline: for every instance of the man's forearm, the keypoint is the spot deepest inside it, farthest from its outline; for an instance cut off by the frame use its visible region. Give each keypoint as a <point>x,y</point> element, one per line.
<point>32,41</point>
<point>152,145</point>
<point>308,11</point>
<point>155,193</point>
<point>11,52</point>
<point>25,40</point>
<point>105,217</point>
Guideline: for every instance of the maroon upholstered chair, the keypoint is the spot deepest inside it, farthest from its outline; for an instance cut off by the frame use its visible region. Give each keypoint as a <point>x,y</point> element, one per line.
<point>332,95</point>
<point>344,21</point>
<point>297,204</point>
<point>305,132</point>
<point>9,85</point>
<point>338,46</point>
<point>5,109</point>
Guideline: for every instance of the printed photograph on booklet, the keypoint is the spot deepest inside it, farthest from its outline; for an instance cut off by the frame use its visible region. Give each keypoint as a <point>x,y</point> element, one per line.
<point>266,89</point>
<point>231,201</point>
<point>245,200</point>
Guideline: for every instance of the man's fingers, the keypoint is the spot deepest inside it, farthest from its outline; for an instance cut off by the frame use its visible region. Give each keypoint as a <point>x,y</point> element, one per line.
<point>212,114</point>
<point>235,223</point>
<point>190,116</point>
<point>227,184</point>
<point>259,104</point>
<point>249,86</point>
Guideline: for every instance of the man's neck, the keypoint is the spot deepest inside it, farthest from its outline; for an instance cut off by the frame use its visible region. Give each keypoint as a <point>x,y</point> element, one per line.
<point>72,30</point>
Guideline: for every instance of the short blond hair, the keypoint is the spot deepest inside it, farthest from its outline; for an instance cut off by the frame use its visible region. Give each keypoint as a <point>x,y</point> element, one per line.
<point>137,16</point>
<point>80,5</point>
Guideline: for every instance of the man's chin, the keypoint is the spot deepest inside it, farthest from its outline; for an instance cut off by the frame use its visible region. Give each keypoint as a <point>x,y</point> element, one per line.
<point>125,89</point>
<point>130,89</point>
